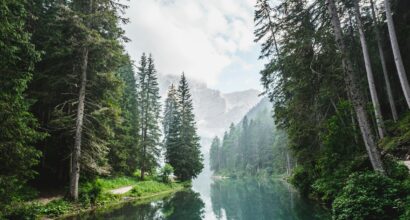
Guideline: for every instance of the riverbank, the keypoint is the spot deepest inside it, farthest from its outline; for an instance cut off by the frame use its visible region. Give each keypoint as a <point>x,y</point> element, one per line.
<point>97,195</point>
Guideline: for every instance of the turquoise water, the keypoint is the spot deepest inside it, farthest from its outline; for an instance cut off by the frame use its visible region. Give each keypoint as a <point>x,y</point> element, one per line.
<point>209,199</point>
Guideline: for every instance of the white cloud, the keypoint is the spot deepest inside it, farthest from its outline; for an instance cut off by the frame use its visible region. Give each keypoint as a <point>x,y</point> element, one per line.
<point>200,37</point>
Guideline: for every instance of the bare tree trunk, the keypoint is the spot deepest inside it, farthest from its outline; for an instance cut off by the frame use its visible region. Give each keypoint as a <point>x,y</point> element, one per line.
<point>355,93</point>
<point>369,71</point>
<point>396,52</point>
<point>76,153</point>
<point>383,62</point>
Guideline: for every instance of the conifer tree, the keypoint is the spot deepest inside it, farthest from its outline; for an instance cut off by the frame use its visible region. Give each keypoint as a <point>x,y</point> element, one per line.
<point>18,127</point>
<point>190,164</point>
<point>124,150</point>
<point>397,54</point>
<point>170,111</point>
<point>214,154</point>
<point>149,110</point>
<point>172,126</point>
<point>98,55</point>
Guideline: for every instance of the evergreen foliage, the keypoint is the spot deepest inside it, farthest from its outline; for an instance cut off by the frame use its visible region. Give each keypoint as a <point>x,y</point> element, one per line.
<point>149,111</point>
<point>123,155</point>
<point>180,137</point>
<point>57,56</point>
<point>18,127</point>
<point>315,76</point>
<point>253,147</point>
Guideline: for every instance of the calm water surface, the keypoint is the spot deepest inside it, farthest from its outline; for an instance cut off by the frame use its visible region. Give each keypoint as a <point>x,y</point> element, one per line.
<point>222,199</point>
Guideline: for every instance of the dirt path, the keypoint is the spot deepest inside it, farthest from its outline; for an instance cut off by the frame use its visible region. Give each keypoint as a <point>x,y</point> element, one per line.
<point>121,190</point>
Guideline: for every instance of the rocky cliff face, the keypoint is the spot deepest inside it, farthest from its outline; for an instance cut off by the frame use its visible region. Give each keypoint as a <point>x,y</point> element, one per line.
<point>214,110</point>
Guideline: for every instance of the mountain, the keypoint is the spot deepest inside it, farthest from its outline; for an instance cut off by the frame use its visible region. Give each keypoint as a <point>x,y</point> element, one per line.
<point>263,107</point>
<point>214,110</point>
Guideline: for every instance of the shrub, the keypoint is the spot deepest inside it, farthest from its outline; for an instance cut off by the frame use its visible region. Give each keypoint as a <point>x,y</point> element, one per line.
<point>137,174</point>
<point>24,212</point>
<point>301,179</point>
<point>368,195</point>
<point>55,208</point>
<point>166,171</point>
<point>90,191</point>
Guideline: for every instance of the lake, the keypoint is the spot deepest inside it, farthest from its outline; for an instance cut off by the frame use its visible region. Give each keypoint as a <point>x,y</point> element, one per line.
<point>242,199</point>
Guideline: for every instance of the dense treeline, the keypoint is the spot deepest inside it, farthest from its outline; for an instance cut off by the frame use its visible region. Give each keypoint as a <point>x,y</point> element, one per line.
<point>253,147</point>
<point>71,106</point>
<point>337,79</point>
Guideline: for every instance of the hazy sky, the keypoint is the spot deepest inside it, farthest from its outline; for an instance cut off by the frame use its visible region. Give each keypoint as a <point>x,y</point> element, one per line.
<point>210,40</point>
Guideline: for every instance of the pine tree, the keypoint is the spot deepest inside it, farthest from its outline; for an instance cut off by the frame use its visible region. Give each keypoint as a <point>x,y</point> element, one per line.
<point>149,110</point>
<point>170,111</point>
<point>124,149</point>
<point>99,55</point>
<point>352,85</point>
<point>369,71</point>
<point>189,147</point>
<point>18,127</point>
<point>214,155</point>
<point>383,62</point>
<point>172,126</point>
<point>397,54</point>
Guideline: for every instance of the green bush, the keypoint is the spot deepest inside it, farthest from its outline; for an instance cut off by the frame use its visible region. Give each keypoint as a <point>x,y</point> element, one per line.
<point>137,174</point>
<point>166,171</point>
<point>301,179</point>
<point>395,170</point>
<point>24,212</point>
<point>55,208</point>
<point>90,191</point>
<point>368,195</point>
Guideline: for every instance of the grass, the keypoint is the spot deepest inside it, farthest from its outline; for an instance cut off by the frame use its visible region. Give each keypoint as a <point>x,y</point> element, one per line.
<point>96,195</point>
<point>150,187</point>
<point>114,183</point>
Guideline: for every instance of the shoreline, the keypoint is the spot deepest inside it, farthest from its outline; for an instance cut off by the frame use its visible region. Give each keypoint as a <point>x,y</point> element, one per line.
<point>125,198</point>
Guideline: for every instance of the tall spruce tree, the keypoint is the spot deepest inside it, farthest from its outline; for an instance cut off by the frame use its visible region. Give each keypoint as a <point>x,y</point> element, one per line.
<point>214,154</point>
<point>124,148</point>
<point>18,127</point>
<point>188,149</point>
<point>149,110</point>
<point>98,54</point>
<point>171,126</point>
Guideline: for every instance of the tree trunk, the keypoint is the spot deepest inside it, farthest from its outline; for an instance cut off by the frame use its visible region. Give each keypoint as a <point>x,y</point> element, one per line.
<point>288,167</point>
<point>143,161</point>
<point>76,152</point>
<point>396,52</point>
<point>369,71</point>
<point>355,93</point>
<point>383,62</point>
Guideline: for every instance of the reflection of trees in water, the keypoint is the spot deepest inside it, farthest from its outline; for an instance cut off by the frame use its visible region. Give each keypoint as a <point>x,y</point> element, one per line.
<point>184,205</point>
<point>251,199</point>
<point>129,211</point>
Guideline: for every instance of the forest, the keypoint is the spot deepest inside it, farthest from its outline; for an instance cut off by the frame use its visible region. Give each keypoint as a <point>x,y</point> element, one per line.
<point>80,119</point>
<point>253,147</point>
<point>336,74</point>
<point>77,114</point>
